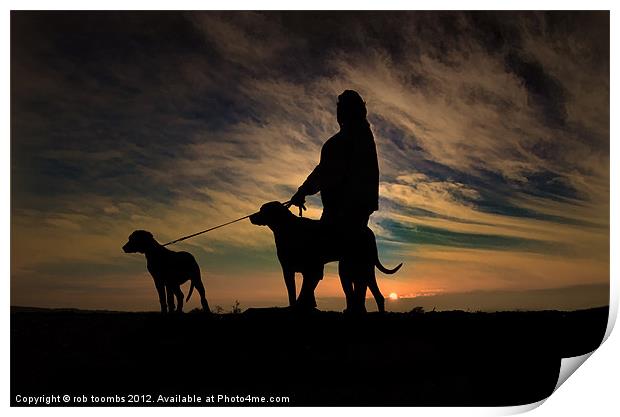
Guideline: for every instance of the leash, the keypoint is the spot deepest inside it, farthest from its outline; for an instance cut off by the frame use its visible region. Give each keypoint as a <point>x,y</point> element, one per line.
<point>207,230</point>
<point>287,204</point>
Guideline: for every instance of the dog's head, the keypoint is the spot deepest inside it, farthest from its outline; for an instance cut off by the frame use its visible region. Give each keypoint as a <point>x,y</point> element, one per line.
<point>270,214</point>
<point>139,241</point>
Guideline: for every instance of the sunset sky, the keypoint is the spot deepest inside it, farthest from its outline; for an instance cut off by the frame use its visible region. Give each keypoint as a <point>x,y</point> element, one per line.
<point>492,131</point>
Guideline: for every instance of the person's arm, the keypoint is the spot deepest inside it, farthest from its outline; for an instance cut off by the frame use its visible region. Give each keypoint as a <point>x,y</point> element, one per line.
<point>311,185</point>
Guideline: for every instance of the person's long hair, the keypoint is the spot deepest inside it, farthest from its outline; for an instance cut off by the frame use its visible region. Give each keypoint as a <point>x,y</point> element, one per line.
<point>351,114</point>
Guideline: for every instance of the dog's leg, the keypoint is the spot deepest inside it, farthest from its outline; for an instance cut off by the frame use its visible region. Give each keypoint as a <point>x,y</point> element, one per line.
<point>354,279</point>
<point>359,296</point>
<point>306,294</point>
<point>311,279</point>
<point>170,297</point>
<point>179,295</point>
<point>161,292</point>
<point>362,272</point>
<point>345,272</point>
<point>316,278</point>
<point>196,282</point>
<point>289,281</point>
<point>201,291</point>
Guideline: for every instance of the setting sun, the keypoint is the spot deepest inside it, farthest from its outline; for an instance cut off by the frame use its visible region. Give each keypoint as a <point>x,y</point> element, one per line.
<point>393,296</point>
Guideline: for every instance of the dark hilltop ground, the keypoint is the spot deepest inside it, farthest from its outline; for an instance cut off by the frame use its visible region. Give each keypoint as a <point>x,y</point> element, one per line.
<point>317,359</point>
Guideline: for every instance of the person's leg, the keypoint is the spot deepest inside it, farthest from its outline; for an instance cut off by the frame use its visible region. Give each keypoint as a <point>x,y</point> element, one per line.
<point>348,234</point>
<point>334,245</point>
<point>359,296</point>
<point>357,262</point>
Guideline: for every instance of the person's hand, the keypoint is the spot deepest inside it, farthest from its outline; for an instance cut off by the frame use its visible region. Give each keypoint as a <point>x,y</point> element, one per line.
<point>298,200</point>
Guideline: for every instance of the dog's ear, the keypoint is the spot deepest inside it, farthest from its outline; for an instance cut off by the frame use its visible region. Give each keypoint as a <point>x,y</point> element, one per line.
<point>146,236</point>
<point>274,205</point>
<point>141,236</point>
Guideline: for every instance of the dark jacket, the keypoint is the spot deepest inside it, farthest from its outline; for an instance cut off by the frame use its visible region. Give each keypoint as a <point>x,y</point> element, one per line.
<point>347,175</point>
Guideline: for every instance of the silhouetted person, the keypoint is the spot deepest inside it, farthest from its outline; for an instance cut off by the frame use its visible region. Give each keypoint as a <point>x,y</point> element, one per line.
<point>347,177</point>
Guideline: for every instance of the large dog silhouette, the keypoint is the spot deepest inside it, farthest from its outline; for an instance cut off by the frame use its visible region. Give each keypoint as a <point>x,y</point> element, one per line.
<point>304,246</point>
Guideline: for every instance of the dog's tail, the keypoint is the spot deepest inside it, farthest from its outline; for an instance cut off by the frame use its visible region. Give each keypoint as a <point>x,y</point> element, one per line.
<point>385,270</point>
<point>191,290</point>
<point>378,263</point>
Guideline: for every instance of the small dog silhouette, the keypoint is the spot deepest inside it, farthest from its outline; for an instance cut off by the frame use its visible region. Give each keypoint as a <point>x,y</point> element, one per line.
<point>302,246</point>
<point>169,270</point>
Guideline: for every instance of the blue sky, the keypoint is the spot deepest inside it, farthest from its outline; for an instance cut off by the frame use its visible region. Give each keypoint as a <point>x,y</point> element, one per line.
<point>492,132</point>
